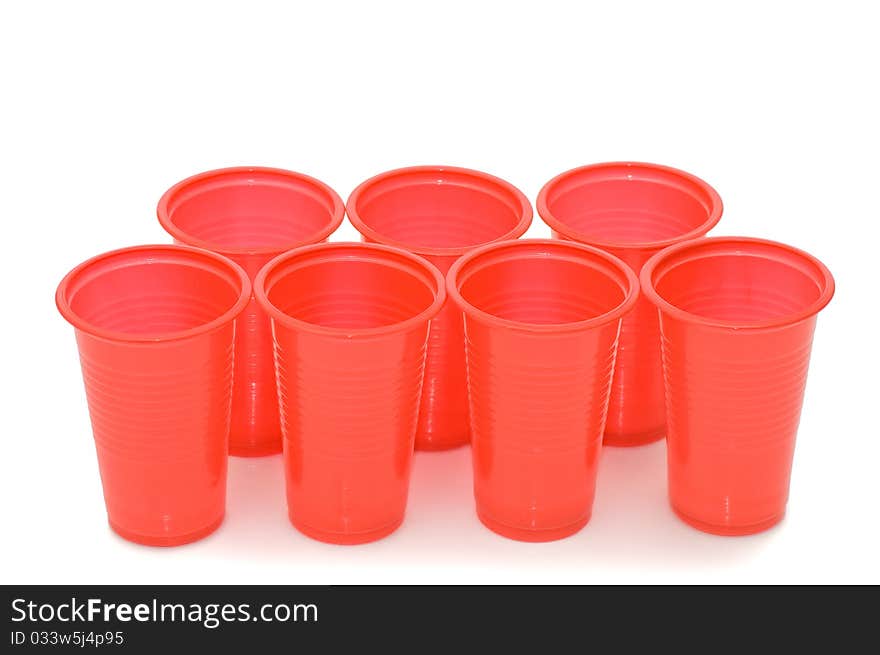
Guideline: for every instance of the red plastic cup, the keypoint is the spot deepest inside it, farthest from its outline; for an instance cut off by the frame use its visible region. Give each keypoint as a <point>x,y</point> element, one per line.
<point>632,210</point>
<point>541,323</point>
<point>250,215</point>
<point>154,326</point>
<point>440,213</point>
<point>737,317</point>
<point>350,322</point>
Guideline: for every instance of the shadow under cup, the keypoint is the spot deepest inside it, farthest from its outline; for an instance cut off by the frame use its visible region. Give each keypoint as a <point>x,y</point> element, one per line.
<point>631,210</point>
<point>154,326</point>
<point>737,317</point>
<point>350,324</point>
<point>541,324</point>
<point>251,214</point>
<point>440,213</point>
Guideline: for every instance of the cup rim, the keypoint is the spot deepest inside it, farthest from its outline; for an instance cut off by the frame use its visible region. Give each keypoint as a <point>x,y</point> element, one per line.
<point>163,210</point>
<point>184,252</point>
<point>715,210</point>
<point>631,294</point>
<point>740,245</point>
<point>525,209</point>
<point>380,255</point>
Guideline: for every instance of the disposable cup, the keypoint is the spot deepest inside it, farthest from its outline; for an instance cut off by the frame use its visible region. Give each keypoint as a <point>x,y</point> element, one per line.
<point>632,210</point>
<point>350,324</point>
<point>737,317</point>
<point>440,213</point>
<point>541,323</point>
<point>154,326</point>
<point>250,215</point>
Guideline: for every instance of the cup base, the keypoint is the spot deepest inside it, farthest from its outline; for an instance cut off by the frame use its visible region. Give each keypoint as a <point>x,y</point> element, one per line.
<point>442,444</point>
<point>255,450</point>
<point>729,530</point>
<point>164,541</point>
<point>534,536</point>
<point>346,538</point>
<point>633,440</point>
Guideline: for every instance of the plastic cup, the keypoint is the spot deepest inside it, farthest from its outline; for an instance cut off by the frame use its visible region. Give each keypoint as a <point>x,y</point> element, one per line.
<point>541,323</point>
<point>250,215</point>
<point>632,210</point>
<point>350,322</point>
<point>737,317</point>
<point>154,326</point>
<point>440,213</point>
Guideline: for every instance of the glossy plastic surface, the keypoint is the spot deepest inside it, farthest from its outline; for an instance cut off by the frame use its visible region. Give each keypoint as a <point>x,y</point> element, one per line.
<point>154,326</point>
<point>440,212</point>
<point>251,215</point>
<point>737,317</point>
<point>541,322</point>
<point>350,322</point>
<point>632,210</point>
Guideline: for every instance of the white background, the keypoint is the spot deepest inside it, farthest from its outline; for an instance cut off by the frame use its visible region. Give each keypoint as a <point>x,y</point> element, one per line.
<point>103,106</point>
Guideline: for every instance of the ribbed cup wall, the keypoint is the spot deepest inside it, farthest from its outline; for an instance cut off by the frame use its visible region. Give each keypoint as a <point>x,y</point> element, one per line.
<point>733,401</point>
<point>250,215</point>
<point>538,403</point>
<point>473,217</point>
<point>426,209</point>
<point>636,411</point>
<point>160,417</point>
<point>443,418</point>
<point>255,428</point>
<point>632,210</point>
<point>349,408</point>
<point>250,229</point>
<point>634,224</point>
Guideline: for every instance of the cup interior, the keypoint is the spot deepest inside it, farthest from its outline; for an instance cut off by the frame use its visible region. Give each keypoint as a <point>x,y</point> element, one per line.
<point>626,204</point>
<point>740,281</point>
<point>424,209</point>
<point>150,292</point>
<point>542,284</point>
<point>242,209</point>
<point>350,287</point>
